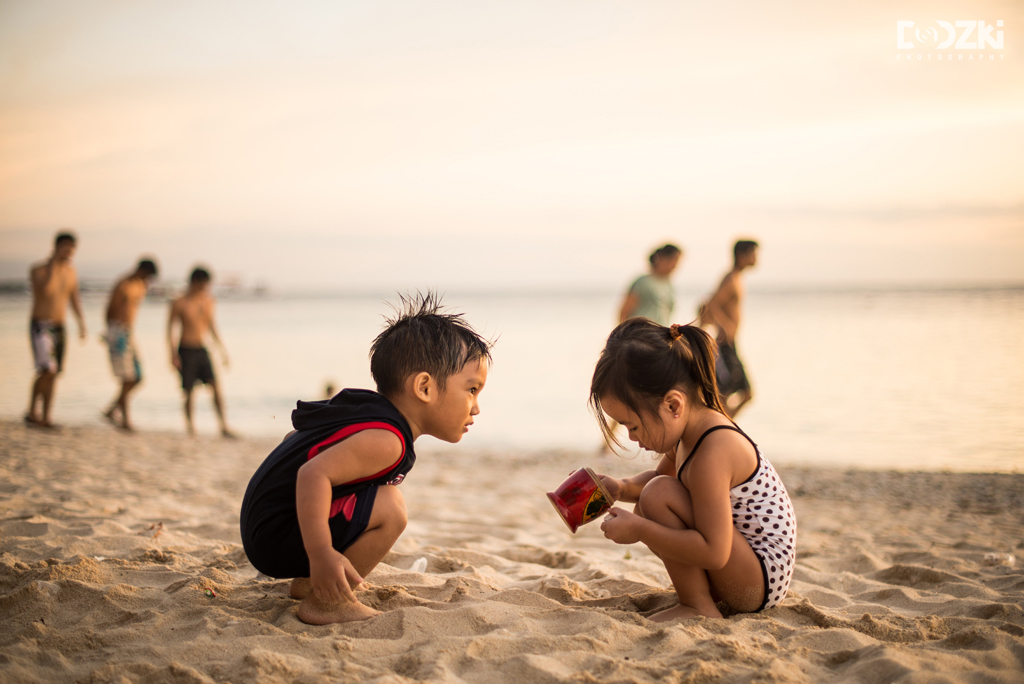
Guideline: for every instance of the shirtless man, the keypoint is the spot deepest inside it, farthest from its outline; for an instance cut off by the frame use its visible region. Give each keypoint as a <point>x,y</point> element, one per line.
<point>124,303</point>
<point>54,284</point>
<point>193,311</point>
<point>722,312</point>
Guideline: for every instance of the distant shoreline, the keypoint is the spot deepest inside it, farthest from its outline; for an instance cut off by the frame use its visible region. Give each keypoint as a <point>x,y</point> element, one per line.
<point>19,287</point>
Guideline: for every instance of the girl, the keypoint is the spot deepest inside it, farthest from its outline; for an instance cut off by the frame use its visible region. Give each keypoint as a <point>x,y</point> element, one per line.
<point>714,510</point>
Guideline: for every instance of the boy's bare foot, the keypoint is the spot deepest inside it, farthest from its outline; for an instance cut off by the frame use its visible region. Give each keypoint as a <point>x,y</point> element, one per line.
<point>126,427</point>
<point>31,420</point>
<point>300,588</point>
<point>109,415</point>
<point>683,612</point>
<point>313,611</point>
<point>228,434</point>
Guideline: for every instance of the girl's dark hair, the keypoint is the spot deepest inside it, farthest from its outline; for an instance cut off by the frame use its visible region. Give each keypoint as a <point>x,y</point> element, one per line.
<point>642,361</point>
<point>423,337</point>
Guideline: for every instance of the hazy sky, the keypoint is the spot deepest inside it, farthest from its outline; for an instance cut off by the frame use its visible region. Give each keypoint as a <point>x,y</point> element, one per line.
<point>494,145</point>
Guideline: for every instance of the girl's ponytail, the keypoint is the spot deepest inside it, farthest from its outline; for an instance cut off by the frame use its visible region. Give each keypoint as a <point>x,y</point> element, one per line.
<point>701,353</point>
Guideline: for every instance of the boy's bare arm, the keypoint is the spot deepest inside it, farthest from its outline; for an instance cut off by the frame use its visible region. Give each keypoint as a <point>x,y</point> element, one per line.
<point>76,307</point>
<point>173,316</point>
<point>363,454</point>
<point>215,336</point>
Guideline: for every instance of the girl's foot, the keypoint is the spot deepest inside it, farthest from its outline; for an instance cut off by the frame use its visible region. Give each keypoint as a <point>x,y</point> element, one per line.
<point>682,612</point>
<point>313,611</point>
<point>300,588</point>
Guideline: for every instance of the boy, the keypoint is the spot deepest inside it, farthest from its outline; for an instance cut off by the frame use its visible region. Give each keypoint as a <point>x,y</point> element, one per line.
<point>193,311</point>
<point>123,307</point>
<point>324,507</point>
<point>723,312</point>
<point>54,284</point>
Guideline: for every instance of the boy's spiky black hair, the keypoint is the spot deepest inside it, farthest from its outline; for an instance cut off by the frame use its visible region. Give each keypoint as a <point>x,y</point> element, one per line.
<point>423,337</point>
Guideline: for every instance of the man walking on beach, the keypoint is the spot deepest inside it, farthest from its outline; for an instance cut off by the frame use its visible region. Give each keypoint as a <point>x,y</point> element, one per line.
<point>193,311</point>
<point>124,303</point>
<point>54,284</point>
<point>723,312</point>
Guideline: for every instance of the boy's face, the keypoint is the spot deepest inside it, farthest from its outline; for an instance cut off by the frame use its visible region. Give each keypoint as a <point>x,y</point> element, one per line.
<point>452,413</point>
<point>64,251</point>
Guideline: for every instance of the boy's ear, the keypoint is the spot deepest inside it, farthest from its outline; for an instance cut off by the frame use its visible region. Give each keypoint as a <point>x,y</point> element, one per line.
<point>423,387</point>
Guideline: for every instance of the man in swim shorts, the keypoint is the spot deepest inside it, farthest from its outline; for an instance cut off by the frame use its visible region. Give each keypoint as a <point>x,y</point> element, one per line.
<point>54,285</point>
<point>193,311</point>
<point>721,314</point>
<point>122,309</point>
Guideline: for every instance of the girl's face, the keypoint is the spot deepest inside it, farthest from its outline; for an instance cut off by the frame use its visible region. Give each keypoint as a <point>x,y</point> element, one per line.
<point>658,432</point>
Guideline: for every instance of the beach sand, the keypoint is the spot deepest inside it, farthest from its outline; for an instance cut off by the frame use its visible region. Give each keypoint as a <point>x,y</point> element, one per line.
<point>108,543</point>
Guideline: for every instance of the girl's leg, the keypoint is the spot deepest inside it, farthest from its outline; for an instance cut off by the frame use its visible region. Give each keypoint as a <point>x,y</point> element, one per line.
<point>387,522</point>
<point>740,583</point>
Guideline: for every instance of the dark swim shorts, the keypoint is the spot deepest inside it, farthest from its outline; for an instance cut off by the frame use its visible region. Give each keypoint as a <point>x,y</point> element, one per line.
<point>195,366</point>
<point>275,547</point>
<point>732,377</point>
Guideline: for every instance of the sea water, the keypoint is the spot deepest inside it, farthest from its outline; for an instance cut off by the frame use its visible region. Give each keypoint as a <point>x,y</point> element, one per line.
<point>926,379</point>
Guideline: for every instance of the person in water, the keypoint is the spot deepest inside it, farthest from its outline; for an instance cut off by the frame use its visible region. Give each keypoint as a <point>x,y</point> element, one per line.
<point>324,507</point>
<point>714,509</point>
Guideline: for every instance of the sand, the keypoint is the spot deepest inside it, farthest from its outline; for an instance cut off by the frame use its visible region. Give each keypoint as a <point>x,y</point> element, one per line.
<point>109,543</point>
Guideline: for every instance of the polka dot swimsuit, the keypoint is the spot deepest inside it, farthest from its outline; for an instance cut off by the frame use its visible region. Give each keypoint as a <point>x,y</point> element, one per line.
<point>763,513</point>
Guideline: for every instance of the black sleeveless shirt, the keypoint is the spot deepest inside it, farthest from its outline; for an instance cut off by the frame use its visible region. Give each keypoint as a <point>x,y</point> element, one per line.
<point>270,496</point>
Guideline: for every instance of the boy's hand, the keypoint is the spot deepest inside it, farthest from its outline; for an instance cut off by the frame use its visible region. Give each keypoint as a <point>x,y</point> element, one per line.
<point>621,526</point>
<point>613,486</point>
<point>333,576</point>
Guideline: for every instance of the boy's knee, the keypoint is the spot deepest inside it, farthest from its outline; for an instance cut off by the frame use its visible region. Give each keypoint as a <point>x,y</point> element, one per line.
<point>390,505</point>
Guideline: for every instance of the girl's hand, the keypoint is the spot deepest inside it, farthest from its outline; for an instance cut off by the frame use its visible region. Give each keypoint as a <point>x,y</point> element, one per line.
<point>613,486</point>
<point>333,576</point>
<point>621,526</point>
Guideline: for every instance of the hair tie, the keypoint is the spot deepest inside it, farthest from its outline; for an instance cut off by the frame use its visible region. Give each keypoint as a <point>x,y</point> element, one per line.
<point>676,331</point>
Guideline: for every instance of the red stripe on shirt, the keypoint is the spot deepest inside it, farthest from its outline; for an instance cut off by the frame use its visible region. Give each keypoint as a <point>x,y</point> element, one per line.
<point>350,430</point>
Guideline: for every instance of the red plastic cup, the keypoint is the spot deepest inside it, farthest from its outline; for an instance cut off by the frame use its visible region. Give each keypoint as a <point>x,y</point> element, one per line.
<point>580,499</point>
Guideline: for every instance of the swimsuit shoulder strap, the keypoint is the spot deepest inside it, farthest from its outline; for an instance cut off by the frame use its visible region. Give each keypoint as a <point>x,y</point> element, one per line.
<point>693,452</point>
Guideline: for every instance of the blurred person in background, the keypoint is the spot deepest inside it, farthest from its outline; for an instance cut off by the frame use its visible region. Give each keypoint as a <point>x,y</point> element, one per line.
<point>720,316</point>
<point>54,284</point>
<point>122,309</point>
<point>193,312</point>
<point>651,296</point>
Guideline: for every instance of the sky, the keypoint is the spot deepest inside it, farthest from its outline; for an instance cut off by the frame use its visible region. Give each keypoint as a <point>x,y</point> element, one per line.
<point>480,145</point>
